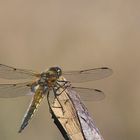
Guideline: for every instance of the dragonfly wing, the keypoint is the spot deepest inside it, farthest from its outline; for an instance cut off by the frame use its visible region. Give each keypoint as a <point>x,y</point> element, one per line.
<point>8,72</point>
<point>87,75</point>
<point>88,94</point>
<point>14,90</point>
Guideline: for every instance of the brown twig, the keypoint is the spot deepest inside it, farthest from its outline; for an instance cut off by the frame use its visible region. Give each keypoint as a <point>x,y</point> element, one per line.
<point>73,121</point>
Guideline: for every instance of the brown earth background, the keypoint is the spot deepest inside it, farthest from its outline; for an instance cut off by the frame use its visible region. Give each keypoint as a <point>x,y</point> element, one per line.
<point>74,35</point>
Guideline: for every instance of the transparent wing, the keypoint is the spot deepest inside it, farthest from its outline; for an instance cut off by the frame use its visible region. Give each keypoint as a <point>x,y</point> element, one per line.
<point>87,75</point>
<point>8,72</point>
<point>88,94</point>
<point>14,90</point>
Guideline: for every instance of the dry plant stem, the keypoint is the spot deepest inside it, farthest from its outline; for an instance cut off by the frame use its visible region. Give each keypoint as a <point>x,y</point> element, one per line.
<point>75,122</point>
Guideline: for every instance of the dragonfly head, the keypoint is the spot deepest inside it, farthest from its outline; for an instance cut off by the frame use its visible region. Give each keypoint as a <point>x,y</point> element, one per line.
<point>56,70</point>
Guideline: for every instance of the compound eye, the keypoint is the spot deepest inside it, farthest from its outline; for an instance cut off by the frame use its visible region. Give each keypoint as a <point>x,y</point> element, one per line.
<point>59,71</point>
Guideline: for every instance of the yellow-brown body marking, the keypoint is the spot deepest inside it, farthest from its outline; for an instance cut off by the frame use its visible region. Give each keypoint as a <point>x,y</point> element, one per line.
<point>37,98</point>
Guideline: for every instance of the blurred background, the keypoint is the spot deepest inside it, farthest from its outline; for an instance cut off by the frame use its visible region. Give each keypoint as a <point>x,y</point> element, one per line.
<point>74,35</point>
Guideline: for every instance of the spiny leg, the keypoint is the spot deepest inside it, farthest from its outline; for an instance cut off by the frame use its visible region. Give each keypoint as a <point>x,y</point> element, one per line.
<point>55,94</point>
<point>62,81</point>
<point>56,88</point>
<point>62,86</point>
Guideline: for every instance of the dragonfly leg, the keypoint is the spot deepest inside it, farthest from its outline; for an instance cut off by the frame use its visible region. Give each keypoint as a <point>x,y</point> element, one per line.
<point>62,81</point>
<point>57,87</point>
<point>64,87</point>
<point>55,94</point>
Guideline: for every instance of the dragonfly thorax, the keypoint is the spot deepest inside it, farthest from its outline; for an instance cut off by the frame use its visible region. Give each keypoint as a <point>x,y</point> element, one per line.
<point>50,77</point>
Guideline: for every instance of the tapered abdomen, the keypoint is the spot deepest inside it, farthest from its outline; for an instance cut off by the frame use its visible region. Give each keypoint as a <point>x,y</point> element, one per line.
<point>37,98</point>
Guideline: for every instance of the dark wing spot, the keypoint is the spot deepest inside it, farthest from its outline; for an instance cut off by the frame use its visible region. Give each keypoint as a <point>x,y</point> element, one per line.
<point>97,90</point>
<point>104,68</point>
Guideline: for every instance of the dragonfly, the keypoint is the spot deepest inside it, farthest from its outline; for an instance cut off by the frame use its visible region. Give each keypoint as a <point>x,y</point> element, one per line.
<point>39,85</point>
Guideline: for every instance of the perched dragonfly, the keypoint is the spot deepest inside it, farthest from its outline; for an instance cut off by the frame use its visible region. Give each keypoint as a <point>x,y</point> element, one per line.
<point>40,84</point>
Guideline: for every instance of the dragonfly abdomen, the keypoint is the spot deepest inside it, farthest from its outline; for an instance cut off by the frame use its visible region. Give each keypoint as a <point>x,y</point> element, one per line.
<point>37,98</point>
